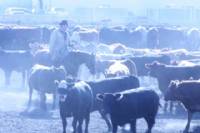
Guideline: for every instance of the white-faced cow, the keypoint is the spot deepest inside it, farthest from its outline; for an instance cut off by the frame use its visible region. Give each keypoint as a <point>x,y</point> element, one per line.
<point>103,65</point>
<point>117,69</point>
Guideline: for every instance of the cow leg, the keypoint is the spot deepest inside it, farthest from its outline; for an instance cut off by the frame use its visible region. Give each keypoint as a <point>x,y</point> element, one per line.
<point>133,126</point>
<point>171,105</point>
<point>74,123</point>
<point>103,115</point>
<point>115,126</point>
<point>54,101</point>
<point>179,109</point>
<point>80,123</point>
<point>23,78</point>
<point>64,122</point>
<point>87,120</point>
<point>150,122</point>
<point>30,96</point>
<point>165,106</point>
<point>7,77</point>
<point>43,101</point>
<point>188,122</point>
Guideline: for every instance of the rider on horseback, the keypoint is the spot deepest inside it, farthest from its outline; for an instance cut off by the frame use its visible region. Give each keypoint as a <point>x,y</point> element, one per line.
<point>59,43</point>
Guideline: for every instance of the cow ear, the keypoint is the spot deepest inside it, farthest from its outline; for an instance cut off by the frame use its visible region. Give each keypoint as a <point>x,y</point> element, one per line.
<point>118,96</point>
<point>56,82</point>
<point>61,67</point>
<point>191,78</point>
<point>148,66</point>
<point>100,97</point>
<point>174,84</point>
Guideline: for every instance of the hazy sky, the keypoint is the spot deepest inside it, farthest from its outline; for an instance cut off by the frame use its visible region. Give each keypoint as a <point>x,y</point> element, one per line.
<point>133,5</point>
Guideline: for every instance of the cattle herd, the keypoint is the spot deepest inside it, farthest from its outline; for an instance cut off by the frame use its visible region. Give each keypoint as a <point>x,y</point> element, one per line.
<point>124,56</point>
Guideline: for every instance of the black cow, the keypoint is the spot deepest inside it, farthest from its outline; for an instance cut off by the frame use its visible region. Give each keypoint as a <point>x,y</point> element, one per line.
<point>76,100</point>
<point>127,106</point>
<point>114,35</point>
<point>42,79</point>
<point>111,85</point>
<point>22,36</point>
<point>152,38</point>
<point>74,59</point>
<point>187,92</point>
<point>171,37</point>
<point>140,62</point>
<point>166,73</point>
<point>14,60</point>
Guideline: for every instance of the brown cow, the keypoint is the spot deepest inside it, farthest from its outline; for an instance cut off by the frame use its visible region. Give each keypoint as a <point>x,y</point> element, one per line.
<point>42,79</point>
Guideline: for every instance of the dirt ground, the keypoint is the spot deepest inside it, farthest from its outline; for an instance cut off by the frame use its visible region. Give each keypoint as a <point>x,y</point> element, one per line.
<point>14,119</point>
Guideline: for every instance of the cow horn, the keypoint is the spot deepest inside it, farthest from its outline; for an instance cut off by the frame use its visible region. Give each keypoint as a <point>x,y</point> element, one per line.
<point>100,97</point>
<point>118,96</point>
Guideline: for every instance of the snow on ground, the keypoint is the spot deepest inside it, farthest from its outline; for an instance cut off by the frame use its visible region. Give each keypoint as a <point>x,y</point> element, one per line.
<point>14,118</point>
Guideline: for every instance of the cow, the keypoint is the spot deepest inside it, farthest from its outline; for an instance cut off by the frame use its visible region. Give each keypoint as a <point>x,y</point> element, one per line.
<point>103,49</point>
<point>140,62</point>
<point>117,69</point>
<point>85,39</point>
<point>15,60</point>
<point>42,79</point>
<point>43,57</point>
<point>127,106</point>
<point>103,65</point>
<point>152,38</point>
<point>118,48</point>
<point>85,34</point>
<point>188,93</point>
<point>111,85</point>
<point>12,35</point>
<point>171,37</point>
<point>165,73</point>
<point>193,39</point>
<point>75,58</point>
<point>76,100</point>
<point>137,37</point>
<point>114,35</point>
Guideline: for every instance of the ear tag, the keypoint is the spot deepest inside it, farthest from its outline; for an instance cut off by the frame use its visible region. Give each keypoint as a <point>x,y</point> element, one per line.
<point>62,98</point>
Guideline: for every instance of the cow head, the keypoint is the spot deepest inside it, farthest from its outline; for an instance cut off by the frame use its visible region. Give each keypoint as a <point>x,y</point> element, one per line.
<point>63,89</point>
<point>108,100</point>
<point>170,93</point>
<point>154,68</point>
